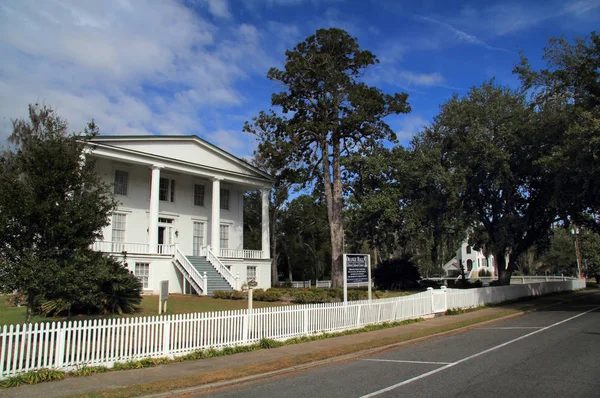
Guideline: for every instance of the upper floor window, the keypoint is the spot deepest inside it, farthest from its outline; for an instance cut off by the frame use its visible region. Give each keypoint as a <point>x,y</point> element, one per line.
<point>224,236</point>
<point>121,182</point>
<point>225,199</point>
<point>118,227</point>
<point>198,195</point>
<point>166,190</point>
<point>468,249</point>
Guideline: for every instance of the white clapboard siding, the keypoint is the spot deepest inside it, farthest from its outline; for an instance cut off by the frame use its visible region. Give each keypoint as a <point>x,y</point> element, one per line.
<point>103,342</point>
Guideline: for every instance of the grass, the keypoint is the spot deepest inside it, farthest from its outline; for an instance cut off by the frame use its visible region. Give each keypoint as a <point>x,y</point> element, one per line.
<point>177,304</point>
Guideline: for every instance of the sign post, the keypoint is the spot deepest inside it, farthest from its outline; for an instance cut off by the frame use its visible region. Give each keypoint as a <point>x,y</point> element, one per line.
<point>357,269</point>
<point>164,295</point>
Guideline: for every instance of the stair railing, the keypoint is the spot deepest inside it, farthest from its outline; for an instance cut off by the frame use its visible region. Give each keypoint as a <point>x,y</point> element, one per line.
<point>222,269</point>
<point>200,280</point>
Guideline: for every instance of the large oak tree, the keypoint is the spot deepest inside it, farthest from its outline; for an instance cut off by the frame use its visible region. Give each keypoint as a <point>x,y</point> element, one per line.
<point>324,113</point>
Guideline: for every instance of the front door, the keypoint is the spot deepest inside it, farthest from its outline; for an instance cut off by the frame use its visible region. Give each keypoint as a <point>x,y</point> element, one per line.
<point>165,234</point>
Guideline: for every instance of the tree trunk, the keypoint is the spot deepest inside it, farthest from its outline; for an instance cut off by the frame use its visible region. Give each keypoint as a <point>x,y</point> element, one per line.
<point>274,273</point>
<point>504,272</point>
<point>28,310</point>
<point>333,196</point>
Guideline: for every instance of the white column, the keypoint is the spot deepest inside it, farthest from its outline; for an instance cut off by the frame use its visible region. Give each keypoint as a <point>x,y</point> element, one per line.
<point>153,217</point>
<point>215,220</point>
<point>265,223</point>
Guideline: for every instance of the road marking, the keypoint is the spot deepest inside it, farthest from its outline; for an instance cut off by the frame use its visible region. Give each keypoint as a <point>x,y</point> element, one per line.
<point>401,361</point>
<point>450,365</point>
<point>512,327</point>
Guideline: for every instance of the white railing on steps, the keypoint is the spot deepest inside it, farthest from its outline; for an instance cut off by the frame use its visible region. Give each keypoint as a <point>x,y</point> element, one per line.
<point>222,269</point>
<point>200,282</point>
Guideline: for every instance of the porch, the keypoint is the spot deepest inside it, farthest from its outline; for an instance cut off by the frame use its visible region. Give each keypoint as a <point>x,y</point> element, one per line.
<point>114,247</point>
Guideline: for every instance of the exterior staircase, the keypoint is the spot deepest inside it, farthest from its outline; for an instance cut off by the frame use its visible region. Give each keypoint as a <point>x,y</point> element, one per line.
<point>215,280</point>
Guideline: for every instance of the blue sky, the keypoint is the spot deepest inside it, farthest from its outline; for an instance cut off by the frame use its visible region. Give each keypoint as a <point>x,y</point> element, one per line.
<point>199,66</point>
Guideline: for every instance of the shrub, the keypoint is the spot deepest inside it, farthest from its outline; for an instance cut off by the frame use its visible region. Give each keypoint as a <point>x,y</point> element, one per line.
<point>397,273</point>
<point>102,285</point>
<point>269,295</point>
<point>336,293</point>
<point>238,295</point>
<point>357,294</point>
<point>222,294</point>
<point>310,296</point>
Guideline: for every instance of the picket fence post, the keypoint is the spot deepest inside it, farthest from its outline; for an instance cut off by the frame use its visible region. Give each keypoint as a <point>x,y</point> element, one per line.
<point>358,315</point>
<point>59,354</point>
<point>306,321</point>
<point>167,336</point>
<point>430,290</point>
<point>445,290</point>
<point>246,327</point>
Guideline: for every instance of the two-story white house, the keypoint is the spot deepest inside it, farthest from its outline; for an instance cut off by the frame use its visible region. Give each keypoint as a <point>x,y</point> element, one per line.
<point>473,260</point>
<point>180,212</point>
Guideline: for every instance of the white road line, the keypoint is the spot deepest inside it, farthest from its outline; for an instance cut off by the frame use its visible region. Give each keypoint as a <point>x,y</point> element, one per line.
<point>422,376</point>
<point>401,361</point>
<point>512,328</point>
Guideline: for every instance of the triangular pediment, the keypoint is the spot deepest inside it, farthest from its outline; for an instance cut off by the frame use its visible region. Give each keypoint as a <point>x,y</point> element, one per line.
<point>188,149</point>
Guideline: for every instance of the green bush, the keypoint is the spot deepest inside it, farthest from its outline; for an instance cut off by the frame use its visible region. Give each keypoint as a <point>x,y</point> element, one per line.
<point>102,285</point>
<point>397,273</point>
<point>269,295</point>
<point>238,295</point>
<point>357,294</point>
<point>310,296</point>
<point>484,273</point>
<point>336,293</point>
<point>222,294</point>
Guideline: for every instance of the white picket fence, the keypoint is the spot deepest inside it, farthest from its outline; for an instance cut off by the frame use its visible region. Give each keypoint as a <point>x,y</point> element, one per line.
<point>71,345</point>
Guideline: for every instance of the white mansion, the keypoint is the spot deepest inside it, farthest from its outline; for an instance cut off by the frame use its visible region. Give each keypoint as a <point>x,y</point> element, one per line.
<point>180,212</point>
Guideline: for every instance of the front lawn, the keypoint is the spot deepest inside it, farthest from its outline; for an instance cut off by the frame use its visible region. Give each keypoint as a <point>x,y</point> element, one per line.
<point>177,304</point>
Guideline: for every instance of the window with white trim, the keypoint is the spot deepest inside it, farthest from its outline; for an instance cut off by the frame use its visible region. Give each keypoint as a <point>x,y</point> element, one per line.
<point>166,190</point>
<point>121,182</point>
<point>251,273</point>
<point>198,237</point>
<point>224,236</point>
<point>198,194</point>
<point>142,272</point>
<point>118,227</point>
<point>224,199</point>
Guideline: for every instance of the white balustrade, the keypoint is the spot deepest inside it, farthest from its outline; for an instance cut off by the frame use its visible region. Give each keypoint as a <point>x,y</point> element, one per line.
<point>119,247</point>
<point>222,269</point>
<point>240,253</point>
<point>200,280</point>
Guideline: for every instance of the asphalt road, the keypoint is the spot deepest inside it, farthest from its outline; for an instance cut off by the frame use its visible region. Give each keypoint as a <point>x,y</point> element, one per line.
<point>554,352</point>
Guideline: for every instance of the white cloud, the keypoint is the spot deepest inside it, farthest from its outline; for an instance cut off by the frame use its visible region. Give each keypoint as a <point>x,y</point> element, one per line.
<point>460,35</point>
<point>234,141</point>
<point>409,125</point>
<point>219,8</point>
<point>134,67</point>
<point>510,17</point>
<point>421,79</point>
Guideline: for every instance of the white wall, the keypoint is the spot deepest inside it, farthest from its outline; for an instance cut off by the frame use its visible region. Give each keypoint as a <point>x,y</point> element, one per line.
<point>160,268</point>
<point>183,212</point>
<point>239,266</point>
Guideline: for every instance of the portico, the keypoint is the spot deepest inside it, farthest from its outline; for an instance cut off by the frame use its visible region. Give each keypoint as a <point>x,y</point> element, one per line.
<point>181,194</point>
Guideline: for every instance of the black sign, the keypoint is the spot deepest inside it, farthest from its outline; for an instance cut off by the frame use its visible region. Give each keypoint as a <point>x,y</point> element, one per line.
<point>357,268</point>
